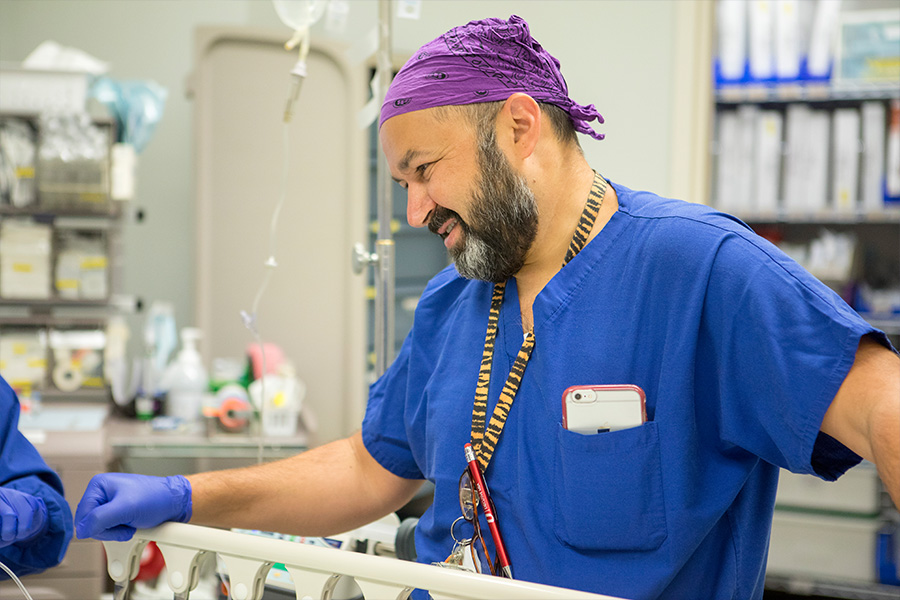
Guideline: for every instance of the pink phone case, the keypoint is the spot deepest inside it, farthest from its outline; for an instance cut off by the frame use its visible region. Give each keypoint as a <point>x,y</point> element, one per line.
<point>601,389</point>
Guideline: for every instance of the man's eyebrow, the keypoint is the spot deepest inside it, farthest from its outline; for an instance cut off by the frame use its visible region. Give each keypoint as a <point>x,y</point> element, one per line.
<point>408,158</point>
<point>403,165</point>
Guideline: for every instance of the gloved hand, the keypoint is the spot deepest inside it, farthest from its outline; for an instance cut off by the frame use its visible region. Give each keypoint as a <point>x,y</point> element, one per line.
<point>114,505</point>
<point>22,516</point>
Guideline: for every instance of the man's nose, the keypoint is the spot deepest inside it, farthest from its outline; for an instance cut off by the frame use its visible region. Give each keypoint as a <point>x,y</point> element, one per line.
<point>419,205</point>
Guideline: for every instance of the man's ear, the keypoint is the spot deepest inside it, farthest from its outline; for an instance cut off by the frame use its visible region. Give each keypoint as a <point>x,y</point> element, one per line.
<point>520,123</point>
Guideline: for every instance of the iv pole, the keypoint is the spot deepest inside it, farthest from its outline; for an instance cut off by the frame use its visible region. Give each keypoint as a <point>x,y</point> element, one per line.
<point>383,257</point>
<point>384,245</point>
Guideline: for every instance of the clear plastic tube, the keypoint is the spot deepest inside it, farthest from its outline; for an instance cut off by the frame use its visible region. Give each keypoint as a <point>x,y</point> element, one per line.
<point>16,579</point>
<point>251,319</point>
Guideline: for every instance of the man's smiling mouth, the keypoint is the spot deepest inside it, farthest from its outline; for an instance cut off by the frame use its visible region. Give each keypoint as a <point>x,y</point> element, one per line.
<point>447,227</point>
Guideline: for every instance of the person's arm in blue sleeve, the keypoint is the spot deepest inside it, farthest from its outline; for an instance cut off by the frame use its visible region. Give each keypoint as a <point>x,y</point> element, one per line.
<point>35,519</point>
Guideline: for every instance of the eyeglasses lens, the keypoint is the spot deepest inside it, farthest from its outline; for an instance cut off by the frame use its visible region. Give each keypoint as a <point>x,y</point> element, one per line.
<point>467,498</point>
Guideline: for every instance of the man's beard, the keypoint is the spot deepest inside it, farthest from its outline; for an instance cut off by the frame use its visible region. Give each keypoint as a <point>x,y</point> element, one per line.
<point>502,223</point>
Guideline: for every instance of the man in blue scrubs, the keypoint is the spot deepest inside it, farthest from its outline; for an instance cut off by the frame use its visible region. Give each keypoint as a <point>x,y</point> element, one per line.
<point>35,520</point>
<point>563,278</point>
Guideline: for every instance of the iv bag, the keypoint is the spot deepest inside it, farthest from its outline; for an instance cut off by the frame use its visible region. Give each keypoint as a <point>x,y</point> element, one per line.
<point>298,14</point>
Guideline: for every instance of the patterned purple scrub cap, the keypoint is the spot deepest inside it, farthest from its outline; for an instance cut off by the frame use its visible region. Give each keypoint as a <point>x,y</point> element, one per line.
<point>483,61</point>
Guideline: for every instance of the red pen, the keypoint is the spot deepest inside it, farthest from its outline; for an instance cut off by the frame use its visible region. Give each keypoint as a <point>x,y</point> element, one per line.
<point>482,490</point>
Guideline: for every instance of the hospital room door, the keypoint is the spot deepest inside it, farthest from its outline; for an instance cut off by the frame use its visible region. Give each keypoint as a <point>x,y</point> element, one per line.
<point>313,306</point>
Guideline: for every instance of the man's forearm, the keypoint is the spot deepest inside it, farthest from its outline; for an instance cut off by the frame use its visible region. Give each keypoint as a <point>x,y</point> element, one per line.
<point>885,436</point>
<point>865,413</point>
<point>327,490</point>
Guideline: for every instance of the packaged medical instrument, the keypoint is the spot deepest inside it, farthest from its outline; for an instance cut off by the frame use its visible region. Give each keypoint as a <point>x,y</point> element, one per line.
<point>77,359</point>
<point>160,340</point>
<point>81,267</point>
<point>17,150</point>
<point>25,252</point>
<point>186,380</point>
<point>73,163</point>
<point>23,357</point>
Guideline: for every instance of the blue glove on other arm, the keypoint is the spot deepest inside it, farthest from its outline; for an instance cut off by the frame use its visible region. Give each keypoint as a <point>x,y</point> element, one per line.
<point>22,516</point>
<point>114,505</point>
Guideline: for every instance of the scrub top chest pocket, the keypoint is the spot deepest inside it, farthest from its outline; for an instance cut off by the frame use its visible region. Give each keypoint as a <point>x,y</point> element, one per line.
<point>608,487</point>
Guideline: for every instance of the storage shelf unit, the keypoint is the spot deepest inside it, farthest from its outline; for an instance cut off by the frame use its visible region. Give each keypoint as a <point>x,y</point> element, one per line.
<point>829,588</point>
<point>814,93</point>
<point>877,232</point>
<point>81,272</point>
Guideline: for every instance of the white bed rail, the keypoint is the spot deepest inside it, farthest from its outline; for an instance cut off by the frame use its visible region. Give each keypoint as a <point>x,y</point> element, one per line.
<point>314,570</point>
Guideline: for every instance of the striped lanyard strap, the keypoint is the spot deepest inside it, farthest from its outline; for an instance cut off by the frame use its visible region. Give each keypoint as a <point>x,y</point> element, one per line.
<point>485,439</point>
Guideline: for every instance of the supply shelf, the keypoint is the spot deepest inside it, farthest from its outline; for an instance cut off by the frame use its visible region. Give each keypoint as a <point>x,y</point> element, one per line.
<point>807,92</point>
<point>61,260</point>
<point>824,588</point>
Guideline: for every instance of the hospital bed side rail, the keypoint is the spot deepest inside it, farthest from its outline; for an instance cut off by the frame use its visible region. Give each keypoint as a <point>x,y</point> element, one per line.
<point>314,570</point>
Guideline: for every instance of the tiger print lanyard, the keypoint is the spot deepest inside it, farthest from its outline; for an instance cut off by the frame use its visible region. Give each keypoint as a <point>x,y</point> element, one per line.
<point>484,440</point>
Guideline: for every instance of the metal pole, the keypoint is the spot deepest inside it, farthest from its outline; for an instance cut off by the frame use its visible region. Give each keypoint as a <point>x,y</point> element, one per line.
<point>384,245</point>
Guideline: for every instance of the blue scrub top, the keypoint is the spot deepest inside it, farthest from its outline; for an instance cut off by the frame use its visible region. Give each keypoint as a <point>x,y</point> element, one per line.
<point>23,469</point>
<point>739,351</point>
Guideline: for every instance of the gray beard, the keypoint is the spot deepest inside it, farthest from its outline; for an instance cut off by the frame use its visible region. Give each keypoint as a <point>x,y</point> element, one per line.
<point>503,221</point>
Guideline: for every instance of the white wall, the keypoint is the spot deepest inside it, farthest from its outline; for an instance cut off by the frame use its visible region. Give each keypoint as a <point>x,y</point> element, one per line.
<point>618,55</point>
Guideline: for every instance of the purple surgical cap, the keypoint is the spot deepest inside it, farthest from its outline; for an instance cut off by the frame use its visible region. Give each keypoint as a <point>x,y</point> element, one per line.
<point>483,61</point>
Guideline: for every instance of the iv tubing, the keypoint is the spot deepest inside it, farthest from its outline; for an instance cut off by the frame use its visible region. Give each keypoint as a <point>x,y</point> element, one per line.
<point>250,319</point>
<point>298,73</point>
<point>16,579</point>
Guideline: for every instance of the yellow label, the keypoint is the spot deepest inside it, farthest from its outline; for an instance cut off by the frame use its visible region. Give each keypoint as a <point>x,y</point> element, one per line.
<point>887,67</point>
<point>24,172</point>
<point>22,267</point>
<point>37,363</point>
<point>278,400</point>
<point>94,262</point>
<point>67,284</point>
<point>94,197</point>
<point>92,382</point>
<point>19,348</point>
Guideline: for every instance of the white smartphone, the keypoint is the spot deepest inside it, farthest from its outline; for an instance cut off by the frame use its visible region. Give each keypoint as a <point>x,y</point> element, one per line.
<point>591,409</point>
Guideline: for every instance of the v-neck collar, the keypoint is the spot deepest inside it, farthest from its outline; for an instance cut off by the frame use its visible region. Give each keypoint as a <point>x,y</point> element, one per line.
<point>561,287</point>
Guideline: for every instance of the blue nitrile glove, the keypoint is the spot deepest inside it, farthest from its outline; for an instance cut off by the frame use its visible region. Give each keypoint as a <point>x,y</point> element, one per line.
<point>22,516</point>
<point>114,505</point>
